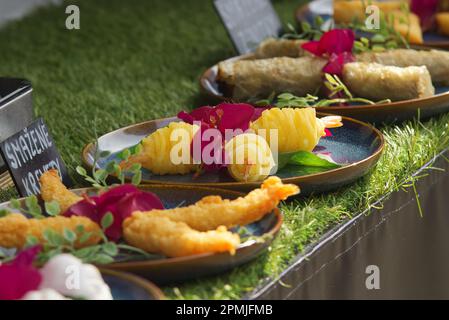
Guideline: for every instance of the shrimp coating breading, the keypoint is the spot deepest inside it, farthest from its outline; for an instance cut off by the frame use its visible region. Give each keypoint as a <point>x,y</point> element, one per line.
<point>212,211</point>
<point>159,234</point>
<point>52,189</point>
<point>15,228</point>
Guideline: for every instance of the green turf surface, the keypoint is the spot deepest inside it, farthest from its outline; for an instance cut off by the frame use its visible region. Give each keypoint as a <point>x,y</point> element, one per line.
<point>139,60</point>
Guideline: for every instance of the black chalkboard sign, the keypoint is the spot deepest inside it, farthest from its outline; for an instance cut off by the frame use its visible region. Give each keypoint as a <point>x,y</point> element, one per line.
<point>248,22</point>
<point>29,153</point>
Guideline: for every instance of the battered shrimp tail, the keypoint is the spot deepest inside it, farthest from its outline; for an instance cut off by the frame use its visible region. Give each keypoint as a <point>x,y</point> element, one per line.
<point>159,234</point>
<point>52,189</point>
<point>211,212</point>
<point>278,190</point>
<point>332,121</point>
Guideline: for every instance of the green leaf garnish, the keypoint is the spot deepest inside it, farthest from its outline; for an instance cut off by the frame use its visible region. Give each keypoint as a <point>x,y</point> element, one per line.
<point>81,171</point>
<point>110,248</point>
<point>309,159</point>
<point>4,213</point>
<point>52,208</point>
<point>107,220</point>
<point>69,235</point>
<point>15,204</point>
<point>137,178</point>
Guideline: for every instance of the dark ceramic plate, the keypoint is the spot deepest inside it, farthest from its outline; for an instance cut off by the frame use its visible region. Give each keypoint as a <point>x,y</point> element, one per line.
<point>385,112</point>
<point>125,286</point>
<point>164,270</point>
<point>356,145</point>
<point>307,13</point>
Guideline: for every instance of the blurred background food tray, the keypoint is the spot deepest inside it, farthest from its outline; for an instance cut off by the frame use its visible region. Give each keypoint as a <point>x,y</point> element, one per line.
<point>16,108</point>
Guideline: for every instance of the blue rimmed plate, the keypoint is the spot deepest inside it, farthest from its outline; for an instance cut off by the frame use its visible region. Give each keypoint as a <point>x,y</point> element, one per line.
<point>125,286</point>
<point>356,145</point>
<point>161,269</point>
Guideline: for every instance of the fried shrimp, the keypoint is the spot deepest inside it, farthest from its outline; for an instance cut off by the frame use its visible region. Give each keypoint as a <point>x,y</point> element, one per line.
<point>15,228</point>
<point>159,234</point>
<point>212,211</point>
<point>52,189</point>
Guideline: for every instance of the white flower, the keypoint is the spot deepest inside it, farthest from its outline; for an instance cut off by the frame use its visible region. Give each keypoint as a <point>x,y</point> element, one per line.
<point>70,277</point>
<point>43,294</point>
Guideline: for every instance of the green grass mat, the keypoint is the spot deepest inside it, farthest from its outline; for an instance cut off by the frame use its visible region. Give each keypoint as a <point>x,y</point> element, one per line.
<point>139,60</point>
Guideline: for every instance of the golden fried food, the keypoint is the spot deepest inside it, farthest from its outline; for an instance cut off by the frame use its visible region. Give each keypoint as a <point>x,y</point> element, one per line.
<point>376,82</point>
<point>271,48</point>
<point>297,128</point>
<point>442,19</point>
<point>159,234</point>
<point>348,11</point>
<point>52,189</point>
<point>167,150</point>
<point>250,157</point>
<point>212,211</point>
<point>15,228</point>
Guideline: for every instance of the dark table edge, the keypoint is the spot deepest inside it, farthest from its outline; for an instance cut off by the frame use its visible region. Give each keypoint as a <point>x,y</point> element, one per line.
<point>330,236</point>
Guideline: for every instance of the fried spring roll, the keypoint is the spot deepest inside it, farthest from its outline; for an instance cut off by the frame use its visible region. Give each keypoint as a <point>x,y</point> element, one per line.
<point>271,48</point>
<point>260,78</point>
<point>436,61</point>
<point>376,82</point>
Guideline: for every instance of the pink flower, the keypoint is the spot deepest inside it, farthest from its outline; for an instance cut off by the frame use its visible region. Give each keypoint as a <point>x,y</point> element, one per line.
<point>337,61</point>
<point>120,201</point>
<point>19,276</point>
<point>225,116</point>
<point>335,45</point>
<point>426,10</point>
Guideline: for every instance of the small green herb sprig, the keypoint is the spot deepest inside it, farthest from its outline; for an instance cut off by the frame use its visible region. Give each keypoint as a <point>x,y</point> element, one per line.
<point>307,31</point>
<point>98,177</point>
<point>103,253</point>
<point>335,87</point>
<point>31,207</point>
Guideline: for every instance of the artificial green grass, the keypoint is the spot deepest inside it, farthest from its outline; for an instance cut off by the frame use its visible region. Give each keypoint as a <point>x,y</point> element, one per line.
<point>140,60</point>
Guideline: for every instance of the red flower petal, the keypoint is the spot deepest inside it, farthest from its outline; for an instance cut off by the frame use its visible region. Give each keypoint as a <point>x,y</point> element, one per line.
<point>313,47</point>
<point>336,63</point>
<point>234,116</point>
<point>426,10</point>
<point>19,276</point>
<point>121,202</point>
<point>225,116</point>
<point>337,41</point>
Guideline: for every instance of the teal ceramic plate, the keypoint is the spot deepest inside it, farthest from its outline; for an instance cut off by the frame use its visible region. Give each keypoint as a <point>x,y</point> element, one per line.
<point>357,145</point>
<point>383,112</point>
<point>161,269</point>
<point>125,286</point>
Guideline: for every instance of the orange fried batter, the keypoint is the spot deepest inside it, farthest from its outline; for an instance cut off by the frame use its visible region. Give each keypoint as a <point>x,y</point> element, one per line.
<point>15,228</point>
<point>52,189</point>
<point>159,234</point>
<point>213,211</point>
